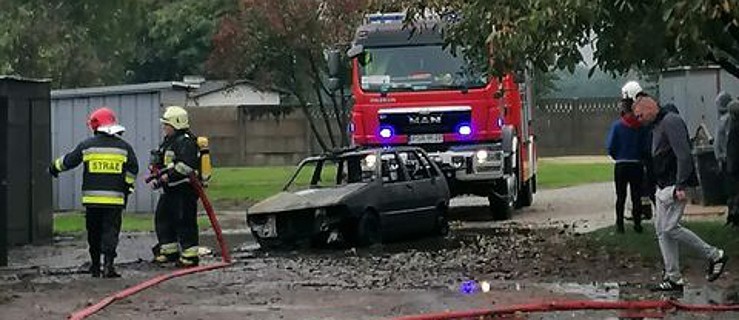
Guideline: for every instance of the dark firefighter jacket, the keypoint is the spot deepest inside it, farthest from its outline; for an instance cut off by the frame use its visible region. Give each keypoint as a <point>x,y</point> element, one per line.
<point>180,159</point>
<point>110,169</point>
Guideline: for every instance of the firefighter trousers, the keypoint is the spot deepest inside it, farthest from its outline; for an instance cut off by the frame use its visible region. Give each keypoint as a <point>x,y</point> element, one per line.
<point>103,227</point>
<point>176,219</point>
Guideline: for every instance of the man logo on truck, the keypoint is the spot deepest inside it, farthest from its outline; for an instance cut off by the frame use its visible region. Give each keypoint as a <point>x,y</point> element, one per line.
<point>430,119</point>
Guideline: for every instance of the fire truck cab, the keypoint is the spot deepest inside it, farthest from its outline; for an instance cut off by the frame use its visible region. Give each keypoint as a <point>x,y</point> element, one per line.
<point>410,89</point>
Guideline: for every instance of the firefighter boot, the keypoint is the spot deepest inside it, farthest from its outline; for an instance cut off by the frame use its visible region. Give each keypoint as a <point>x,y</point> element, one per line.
<point>166,253</point>
<point>109,269</point>
<point>95,267</point>
<point>189,258</point>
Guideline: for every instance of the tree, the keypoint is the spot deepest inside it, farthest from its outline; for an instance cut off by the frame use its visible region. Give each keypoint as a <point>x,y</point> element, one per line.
<point>72,42</point>
<point>177,38</point>
<point>281,43</point>
<point>643,34</point>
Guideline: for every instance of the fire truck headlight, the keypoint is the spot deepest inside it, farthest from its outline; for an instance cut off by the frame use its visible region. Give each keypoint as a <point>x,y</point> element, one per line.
<point>386,132</point>
<point>464,130</point>
<point>482,156</point>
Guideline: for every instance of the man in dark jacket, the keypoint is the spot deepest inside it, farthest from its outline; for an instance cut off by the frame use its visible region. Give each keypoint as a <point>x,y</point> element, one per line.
<point>625,143</point>
<point>176,214</point>
<point>110,169</point>
<point>732,162</point>
<point>674,173</point>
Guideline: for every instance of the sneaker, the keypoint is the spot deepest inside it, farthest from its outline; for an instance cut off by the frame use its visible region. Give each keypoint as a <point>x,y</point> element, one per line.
<point>716,267</point>
<point>669,285</point>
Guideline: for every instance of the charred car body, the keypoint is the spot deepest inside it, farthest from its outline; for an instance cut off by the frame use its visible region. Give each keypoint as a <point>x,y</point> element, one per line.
<point>361,197</point>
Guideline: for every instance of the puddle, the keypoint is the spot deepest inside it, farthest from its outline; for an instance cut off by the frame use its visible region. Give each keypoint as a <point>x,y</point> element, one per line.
<point>233,240</point>
<point>608,291</point>
<point>611,291</point>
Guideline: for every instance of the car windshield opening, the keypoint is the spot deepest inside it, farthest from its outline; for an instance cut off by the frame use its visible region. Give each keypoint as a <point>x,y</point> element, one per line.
<point>331,172</point>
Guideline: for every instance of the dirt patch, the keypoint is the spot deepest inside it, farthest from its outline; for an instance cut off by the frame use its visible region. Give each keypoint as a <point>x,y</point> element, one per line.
<point>380,282</point>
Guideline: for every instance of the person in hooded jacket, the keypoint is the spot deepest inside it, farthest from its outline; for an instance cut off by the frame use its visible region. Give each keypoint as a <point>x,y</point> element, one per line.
<point>719,146</point>
<point>625,144</point>
<point>731,168</point>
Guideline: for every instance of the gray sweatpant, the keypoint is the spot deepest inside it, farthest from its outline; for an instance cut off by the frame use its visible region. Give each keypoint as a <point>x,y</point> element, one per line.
<point>671,234</point>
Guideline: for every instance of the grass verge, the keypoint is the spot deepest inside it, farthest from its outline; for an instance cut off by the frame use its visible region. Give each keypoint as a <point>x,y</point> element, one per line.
<point>645,244</point>
<point>257,183</point>
<point>559,175</point>
<point>72,223</point>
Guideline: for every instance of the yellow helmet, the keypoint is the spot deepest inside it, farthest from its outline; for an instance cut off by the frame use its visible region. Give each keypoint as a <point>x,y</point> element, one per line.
<point>176,117</point>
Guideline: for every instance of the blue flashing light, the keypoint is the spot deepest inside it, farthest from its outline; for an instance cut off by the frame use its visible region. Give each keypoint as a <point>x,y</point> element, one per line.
<point>468,287</point>
<point>387,132</point>
<point>464,130</point>
<point>500,122</point>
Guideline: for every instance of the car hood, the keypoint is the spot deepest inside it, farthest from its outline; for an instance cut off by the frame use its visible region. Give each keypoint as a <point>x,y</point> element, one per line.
<point>305,199</point>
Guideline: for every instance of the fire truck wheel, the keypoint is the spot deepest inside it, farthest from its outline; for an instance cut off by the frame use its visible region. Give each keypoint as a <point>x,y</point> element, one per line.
<point>500,208</point>
<point>526,194</point>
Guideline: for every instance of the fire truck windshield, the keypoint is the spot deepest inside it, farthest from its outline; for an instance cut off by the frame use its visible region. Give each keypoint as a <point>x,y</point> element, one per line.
<point>416,68</point>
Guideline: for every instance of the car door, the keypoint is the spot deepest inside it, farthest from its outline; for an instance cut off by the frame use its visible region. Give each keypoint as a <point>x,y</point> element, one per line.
<point>423,186</point>
<point>396,195</point>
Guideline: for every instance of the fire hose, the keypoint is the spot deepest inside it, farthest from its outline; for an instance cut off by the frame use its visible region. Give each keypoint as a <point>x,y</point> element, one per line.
<point>226,260</point>
<point>573,305</point>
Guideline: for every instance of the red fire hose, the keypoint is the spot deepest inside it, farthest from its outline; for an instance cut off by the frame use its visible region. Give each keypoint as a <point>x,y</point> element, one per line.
<point>226,257</point>
<point>573,306</point>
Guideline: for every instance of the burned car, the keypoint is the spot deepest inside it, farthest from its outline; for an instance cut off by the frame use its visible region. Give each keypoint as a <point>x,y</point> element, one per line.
<point>361,197</point>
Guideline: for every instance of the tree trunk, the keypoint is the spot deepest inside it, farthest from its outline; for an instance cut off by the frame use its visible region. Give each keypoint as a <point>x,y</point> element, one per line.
<point>326,118</point>
<point>311,122</point>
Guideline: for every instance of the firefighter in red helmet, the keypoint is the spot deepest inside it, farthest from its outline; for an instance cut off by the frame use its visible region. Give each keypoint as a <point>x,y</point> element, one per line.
<point>109,173</point>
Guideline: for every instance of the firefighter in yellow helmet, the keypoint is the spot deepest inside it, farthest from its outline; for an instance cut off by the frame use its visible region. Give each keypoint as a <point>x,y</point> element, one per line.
<point>108,177</point>
<point>176,214</point>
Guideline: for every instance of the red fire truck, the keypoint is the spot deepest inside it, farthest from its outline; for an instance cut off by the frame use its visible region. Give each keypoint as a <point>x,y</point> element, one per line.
<point>409,89</point>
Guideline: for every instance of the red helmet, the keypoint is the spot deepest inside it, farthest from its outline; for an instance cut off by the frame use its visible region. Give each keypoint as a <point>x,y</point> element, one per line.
<point>104,120</point>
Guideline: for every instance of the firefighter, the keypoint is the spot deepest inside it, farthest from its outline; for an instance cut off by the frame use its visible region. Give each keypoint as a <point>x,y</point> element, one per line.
<point>629,92</point>
<point>110,169</point>
<point>176,214</point>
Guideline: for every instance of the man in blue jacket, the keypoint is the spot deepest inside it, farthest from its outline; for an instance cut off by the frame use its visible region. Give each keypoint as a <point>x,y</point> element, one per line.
<point>625,142</point>
<point>675,173</point>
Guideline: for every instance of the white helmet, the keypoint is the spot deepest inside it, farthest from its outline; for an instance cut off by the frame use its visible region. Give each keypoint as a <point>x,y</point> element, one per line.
<point>176,117</point>
<point>630,90</point>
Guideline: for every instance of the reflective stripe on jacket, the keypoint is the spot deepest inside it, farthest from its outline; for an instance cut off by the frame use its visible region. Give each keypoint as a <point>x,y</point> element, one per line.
<point>109,171</point>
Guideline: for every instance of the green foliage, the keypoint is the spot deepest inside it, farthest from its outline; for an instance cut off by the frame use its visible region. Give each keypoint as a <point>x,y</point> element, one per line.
<point>88,42</point>
<point>281,43</point>
<point>74,43</point>
<point>177,39</point>
<point>642,34</point>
